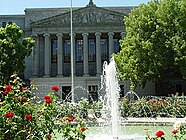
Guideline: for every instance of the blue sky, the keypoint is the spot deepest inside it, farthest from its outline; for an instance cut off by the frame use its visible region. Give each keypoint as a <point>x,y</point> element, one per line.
<point>9,7</point>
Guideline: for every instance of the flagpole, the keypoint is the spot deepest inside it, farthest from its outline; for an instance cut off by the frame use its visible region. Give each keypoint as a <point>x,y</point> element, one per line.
<point>72,50</point>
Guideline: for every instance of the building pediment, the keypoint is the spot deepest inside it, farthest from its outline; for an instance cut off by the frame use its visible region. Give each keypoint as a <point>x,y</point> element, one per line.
<point>84,16</point>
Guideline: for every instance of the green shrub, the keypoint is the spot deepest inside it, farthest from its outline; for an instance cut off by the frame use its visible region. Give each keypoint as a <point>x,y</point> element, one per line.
<point>22,118</point>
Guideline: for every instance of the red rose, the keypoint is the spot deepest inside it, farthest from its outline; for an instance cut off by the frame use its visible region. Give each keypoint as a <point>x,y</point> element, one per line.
<point>55,88</point>
<point>24,88</point>
<point>5,92</point>
<point>8,87</point>
<point>23,99</point>
<point>40,114</point>
<point>46,97</point>
<point>48,101</point>
<point>9,115</point>
<point>159,133</point>
<point>23,96</point>
<point>49,136</point>
<point>174,131</point>
<point>83,129</point>
<point>70,119</point>
<point>28,116</point>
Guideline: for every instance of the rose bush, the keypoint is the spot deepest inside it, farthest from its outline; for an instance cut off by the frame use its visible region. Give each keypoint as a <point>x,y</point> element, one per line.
<point>177,134</point>
<point>72,129</point>
<point>22,118</point>
<point>174,106</point>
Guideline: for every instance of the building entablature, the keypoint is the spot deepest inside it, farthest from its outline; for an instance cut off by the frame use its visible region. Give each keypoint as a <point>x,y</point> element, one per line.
<point>78,30</point>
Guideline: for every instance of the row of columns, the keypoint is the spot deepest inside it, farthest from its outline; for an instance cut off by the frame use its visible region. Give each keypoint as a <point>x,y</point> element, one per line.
<point>47,53</point>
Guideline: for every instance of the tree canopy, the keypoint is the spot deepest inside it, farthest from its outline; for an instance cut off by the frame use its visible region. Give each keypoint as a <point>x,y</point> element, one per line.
<point>13,50</point>
<point>155,42</point>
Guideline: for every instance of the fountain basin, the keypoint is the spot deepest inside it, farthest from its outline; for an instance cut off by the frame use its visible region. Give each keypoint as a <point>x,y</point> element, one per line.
<point>129,131</point>
<point>109,137</point>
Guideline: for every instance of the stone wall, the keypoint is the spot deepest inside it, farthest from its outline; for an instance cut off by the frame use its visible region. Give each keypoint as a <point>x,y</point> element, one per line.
<point>18,19</point>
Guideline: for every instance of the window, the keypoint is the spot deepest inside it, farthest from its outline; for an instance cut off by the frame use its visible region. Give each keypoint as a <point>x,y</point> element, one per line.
<point>91,50</point>
<point>122,94</point>
<point>104,50</point>
<point>67,50</point>
<point>54,51</point>
<point>93,94</point>
<point>10,23</point>
<point>79,50</point>
<point>116,46</point>
<point>66,93</point>
<point>3,24</point>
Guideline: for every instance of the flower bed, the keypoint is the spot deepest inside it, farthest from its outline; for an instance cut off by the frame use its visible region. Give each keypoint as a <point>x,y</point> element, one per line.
<point>155,107</point>
<point>22,118</point>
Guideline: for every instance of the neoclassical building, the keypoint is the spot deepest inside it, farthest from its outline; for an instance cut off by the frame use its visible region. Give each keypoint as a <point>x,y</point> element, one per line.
<point>96,35</point>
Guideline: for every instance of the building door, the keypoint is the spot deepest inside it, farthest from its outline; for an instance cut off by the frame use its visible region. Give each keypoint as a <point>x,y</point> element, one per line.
<point>66,93</point>
<point>122,94</point>
<point>93,94</point>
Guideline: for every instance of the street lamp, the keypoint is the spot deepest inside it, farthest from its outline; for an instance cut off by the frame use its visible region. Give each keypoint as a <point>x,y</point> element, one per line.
<point>72,50</point>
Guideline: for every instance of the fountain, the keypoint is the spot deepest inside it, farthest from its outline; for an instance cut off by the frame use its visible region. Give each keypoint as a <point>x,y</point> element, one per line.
<point>110,102</point>
<point>110,111</point>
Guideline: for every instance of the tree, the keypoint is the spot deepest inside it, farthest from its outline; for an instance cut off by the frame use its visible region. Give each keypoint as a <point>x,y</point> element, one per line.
<point>13,50</point>
<point>155,42</point>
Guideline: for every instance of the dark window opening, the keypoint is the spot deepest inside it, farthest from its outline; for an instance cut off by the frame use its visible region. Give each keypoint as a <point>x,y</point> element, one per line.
<point>54,51</point>
<point>3,24</point>
<point>79,50</point>
<point>91,50</point>
<point>116,46</point>
<point>67,49</point>
<point>93,94</point>
<point>10,23</point>
<point>66,93</point>
<point>122,94</point>
<point>104,50</point>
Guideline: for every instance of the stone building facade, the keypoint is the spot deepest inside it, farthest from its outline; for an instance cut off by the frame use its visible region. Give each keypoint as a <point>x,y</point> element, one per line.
<point>96,35</point>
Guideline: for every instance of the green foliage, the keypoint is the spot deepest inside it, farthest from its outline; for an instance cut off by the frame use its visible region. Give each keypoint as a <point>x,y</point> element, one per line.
<point>174,106</point>
<point>29,120</point>
<point>182,132</point>
<point>23,118</point>
<point>72,129</point>
<point>155,42</point>
<point>155,107</point>
<point>177,134</point>
<point>13,50</point>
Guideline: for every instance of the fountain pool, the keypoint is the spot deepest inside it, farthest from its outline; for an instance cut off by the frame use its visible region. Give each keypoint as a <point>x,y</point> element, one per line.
<point>129,132</point>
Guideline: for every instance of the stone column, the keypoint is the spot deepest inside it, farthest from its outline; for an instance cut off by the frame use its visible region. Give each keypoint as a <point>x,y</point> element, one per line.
<point>98,53</point>
<point>74,56</point>
<point>35,62</point>
<point>111,44</point>
<point>85,54</point>
<point>47,55</point>
<point>122,35</point>
<point>59,54</point>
